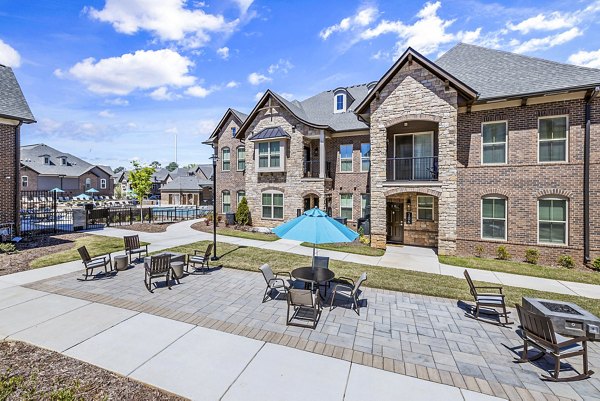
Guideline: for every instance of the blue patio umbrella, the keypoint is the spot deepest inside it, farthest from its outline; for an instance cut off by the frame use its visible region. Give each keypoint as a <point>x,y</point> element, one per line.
<point>317,227</point>
<point>57,190</point>
<point>92,191</point>
<point>82,197</point>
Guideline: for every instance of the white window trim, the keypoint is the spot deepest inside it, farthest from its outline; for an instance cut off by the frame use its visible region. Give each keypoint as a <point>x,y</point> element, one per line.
<point>505,219</point>
<point>237,196</point>
<point>363,158</point>
<point>103,183</point>
<point>46,160</point>
<point>432,207</point>
<point>63,161</point>
<point>223,201</point>
<point>223,158</point>
<point>367,205</point>
<point>505,143</point>
<point>345,102</point>
<point>566,243</point>
<point>85,183</point>
<point>26,181</point>
<point>237,158</point>
<point>282,156</point>
<point>567,134</point>
<point>352,208</point>
<point>272,206</point>
<point>344,158</point>
<point>431,133</point>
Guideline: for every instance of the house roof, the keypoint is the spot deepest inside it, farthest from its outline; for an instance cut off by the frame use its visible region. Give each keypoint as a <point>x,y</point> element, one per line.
<point>160,174</point>
<point>497,74</point>
<point>270,133</point>
<point>32,157</point>
<point>186,183</point>
<point>238,115</point>
<point>206,170</point>
<point>12,102</point>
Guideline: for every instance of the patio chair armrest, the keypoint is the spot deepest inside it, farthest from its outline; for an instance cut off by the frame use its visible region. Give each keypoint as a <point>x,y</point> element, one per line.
<point>277,279</point>
<point>490,295</point>
<point>575,340</point>
<point>196,252</point>
<point>346,279</point>
<point>497,287</point>
<point>284,273</point>
<point>345,286</point>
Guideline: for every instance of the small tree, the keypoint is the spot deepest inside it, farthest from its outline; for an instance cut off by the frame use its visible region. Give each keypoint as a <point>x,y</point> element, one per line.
<point>172,166</point>
<point>140,179</point>
<point>118,169</point>
<point>155,164</point>
<point>118,192</point>
<point>242,215</point>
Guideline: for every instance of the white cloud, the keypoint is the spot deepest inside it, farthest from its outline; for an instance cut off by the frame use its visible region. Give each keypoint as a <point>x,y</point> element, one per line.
<point>168,20</point>
<point>172,130</point>
<point>586,59</point>
<point>546,42</point>
<point>223,52</point>
<point>144,69</point>
<point>232,84</point>
<point>363,17</point>
<point>106,114</point>
<point>198,91</point>
<point>543,22</point>
<point>256,78</point>
<point>117,102</point>
<point>204,127</point>
<point>9,56</point>
<point>244,5</point>
<point>282,66</point>
<point>258,96</point>
<point>163,93</point>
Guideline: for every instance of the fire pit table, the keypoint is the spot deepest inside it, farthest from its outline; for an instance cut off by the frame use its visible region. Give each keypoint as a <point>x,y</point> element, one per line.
<point>568,319</point>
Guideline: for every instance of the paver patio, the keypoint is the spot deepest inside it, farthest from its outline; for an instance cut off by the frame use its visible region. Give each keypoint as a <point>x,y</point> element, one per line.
<point>424,337</point>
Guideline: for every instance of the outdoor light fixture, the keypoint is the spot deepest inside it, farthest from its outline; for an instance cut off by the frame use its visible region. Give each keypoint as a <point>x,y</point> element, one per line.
<point>214,158</point>
<point>408,204</point>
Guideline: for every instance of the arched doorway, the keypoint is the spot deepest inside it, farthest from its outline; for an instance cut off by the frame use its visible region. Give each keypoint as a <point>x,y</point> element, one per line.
<point>310,201</point>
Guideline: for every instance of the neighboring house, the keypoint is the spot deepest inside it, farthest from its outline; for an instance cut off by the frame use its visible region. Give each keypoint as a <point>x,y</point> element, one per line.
<point>14,112</point>
<point>187,190</point>
<point>480,148</point>
<point>121,181</point>
<point>44,168</point>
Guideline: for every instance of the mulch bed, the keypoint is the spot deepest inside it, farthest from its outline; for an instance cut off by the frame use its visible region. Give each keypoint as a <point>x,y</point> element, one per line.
<point>145,227</point>
<point>33,248</point>
<point>40,374</point>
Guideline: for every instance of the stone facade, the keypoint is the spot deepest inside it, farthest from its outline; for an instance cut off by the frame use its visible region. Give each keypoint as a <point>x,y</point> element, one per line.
<point>9,186</point>
<point>232,180</point>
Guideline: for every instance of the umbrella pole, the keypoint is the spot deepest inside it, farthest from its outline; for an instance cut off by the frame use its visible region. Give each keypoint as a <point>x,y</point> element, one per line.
<point>313,261</point>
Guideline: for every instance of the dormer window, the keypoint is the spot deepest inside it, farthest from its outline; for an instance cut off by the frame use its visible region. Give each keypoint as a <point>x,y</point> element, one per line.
<point>46,160</point>
<point>63,161</point>
<point>342,99</point>
<point>340,103</point>
<point>233,131</point>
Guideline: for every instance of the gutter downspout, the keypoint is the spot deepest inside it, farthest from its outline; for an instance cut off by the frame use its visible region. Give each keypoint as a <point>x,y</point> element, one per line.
<point>586,175</point>
<point>17,217</point>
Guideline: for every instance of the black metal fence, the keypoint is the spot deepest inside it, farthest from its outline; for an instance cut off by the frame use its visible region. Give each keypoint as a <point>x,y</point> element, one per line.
<point>40,214</point>
<point>412,169</point>
<point>120,216</point>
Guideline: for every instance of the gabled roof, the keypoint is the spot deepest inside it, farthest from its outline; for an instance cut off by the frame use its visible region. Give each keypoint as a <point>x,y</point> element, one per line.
<point>497,74</point>
<point>186,183</point>
<point>270,133</point>
<point>237,115</point>
<point>408,56</point>
<point>206,170</point>
<point>31,157</point>
<point>12,102</point>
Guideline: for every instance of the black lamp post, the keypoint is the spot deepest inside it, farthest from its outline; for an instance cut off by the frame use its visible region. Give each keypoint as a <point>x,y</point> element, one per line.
<point>214,158</point>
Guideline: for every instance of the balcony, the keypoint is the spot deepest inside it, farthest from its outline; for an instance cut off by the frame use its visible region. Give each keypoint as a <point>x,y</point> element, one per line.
<point>412,168</point>
<point>310,169</point>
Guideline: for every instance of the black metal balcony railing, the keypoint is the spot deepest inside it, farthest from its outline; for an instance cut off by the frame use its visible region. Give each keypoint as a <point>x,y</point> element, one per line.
<point>412,168</point>
<point>311,169</point>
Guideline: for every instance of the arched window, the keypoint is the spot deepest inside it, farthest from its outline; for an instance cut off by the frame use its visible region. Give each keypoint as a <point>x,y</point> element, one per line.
<point>553,220</point>
<point>226,159</point>
<point>493,217</point>
<point>103,183</point>
<point>272,205</point>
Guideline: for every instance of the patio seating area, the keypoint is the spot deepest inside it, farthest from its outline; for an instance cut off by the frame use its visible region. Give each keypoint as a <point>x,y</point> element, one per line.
<point>425,337</point>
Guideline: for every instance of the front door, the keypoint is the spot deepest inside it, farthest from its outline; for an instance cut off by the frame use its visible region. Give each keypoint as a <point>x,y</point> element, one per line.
<point>306,203</point>
<point>395,222</point>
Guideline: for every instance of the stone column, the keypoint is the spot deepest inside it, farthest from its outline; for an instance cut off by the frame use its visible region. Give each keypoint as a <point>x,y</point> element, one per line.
<point>321,153</point>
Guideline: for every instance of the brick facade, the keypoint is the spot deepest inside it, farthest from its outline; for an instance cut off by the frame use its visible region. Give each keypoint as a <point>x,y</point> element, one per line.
<point>232,180</point>
<point>8,173</point>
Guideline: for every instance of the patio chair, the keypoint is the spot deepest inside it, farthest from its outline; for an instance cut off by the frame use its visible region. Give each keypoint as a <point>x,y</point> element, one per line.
<point>133,247</point>
<point>159,266</point>
<point>323,263</point>
<point>199,258</point>
<point>348,289</point>
<point>93,263</point>
<point>305,306</point>
<point>274,282</point>
<point>538,331</point>
<point>488,303</point>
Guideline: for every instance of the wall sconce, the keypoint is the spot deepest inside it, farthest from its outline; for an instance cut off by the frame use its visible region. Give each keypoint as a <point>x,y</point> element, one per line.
<point>293,128</point>
<point>406,124</point>
<point>316,152</point>
<point>408,204</point>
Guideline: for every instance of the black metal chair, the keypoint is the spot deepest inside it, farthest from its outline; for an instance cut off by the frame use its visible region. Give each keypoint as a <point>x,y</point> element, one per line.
<point>348,289</point>
<point>323,263</point>
<point>133,247</point>
<point>274,282</point>
<point>197,258</point>
<point>488,303</point>
<point>160,266</point>
<point>538,331</point>
<point>305,306</point>
<point>94,263</point>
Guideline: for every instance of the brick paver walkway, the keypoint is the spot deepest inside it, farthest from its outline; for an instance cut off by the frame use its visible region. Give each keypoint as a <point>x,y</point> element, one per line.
<point>424,337</point>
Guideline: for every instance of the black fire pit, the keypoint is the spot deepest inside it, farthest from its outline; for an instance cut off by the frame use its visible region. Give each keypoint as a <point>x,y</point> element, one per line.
<point>568,319</point>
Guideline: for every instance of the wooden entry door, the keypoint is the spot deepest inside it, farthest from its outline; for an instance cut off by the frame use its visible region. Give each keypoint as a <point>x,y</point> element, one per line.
<point>395,222</point>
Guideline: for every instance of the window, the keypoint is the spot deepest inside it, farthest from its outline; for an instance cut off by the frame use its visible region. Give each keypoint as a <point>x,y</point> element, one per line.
<point>102,183</point>
<point>240,195</point>
<point>226,202</point>
<point>493,139</point>
<point>233,131</point>
<point>365,157</point>
<point>552,221</point>
<point>425,208</point>
<point>553,139</point>
<point>493,218</point>
<point>46,160</point>
<point>269,155</point>
<point>88,183</point>
<point>241,158</point>
<point>226,159</point>
<point>346,206</point>
<point>346,157</point>
<point>365,205</point>
<point>24,181</point>
<point>339,103</point>
<point>272,205</point>
<point>63,161</point>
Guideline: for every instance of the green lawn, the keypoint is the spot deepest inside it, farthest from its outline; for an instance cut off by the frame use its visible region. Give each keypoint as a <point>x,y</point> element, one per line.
<point>249,258</point>
<point>96,245</point>
<point>232,232</point>
<point>352,247</point>
<point>525,269</point>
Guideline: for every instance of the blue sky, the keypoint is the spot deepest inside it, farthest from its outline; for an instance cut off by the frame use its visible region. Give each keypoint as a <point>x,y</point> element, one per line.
<point>117,80</point>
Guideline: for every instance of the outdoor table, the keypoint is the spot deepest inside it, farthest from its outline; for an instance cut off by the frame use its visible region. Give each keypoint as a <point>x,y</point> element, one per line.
<point>120,262</point>
<point>313,275</point>
<point>177,269</point>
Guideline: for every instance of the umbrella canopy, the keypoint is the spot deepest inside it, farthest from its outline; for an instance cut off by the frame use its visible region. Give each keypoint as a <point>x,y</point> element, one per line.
<point>57,190</point>
<point>92,191</point>
<point>317,227</point>
<point>82,197</point>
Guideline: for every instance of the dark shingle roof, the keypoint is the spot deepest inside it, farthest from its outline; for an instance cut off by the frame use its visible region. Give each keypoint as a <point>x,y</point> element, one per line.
<point>12,101</point>
<point>240,115</point>
<point>269,133</point>
<point>499,74</point>
<point>184,183</point>
<point>32,157</point>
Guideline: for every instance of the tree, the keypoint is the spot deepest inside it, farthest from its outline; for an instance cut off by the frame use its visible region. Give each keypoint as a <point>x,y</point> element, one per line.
<point>155,164</point>
<point>172,166</point>
<point>118,192</point>
<point>140,180</point>
<point>118,169</point>
<point>242,215</point>
<point>190,166</point>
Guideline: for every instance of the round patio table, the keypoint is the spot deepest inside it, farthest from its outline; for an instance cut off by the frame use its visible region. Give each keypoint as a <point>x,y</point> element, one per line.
<point>313,275</point>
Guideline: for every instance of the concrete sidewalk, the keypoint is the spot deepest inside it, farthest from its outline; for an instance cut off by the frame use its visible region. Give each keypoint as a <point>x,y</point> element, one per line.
<point>197,362</point>
<point>397,257</point>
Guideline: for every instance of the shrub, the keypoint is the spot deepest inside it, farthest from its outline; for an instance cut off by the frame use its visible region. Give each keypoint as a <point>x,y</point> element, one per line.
<point>596,263</point>
<point>242,215</point>
<point>566,261</point>
<point>532,256</point>
<point>209,218</point>
<point>7,247</point>
<point>502,253</point>
<point>219,218</point>
<point>479,250</point>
